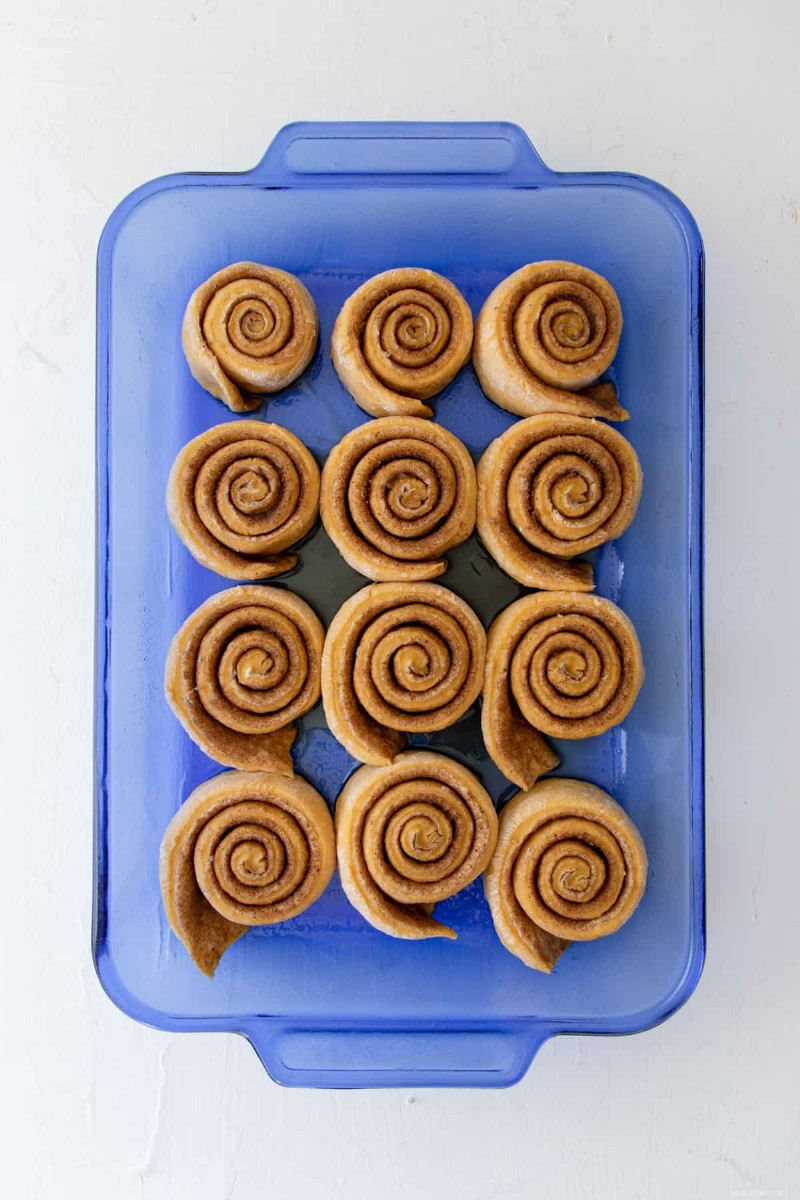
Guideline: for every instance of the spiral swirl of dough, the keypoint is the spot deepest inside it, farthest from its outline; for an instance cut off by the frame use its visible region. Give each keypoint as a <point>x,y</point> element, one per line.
<point>240,669</point>
<point>247,848</point>
<point>544,336</point>
<point>559,663</point>
<point>247,331</point>
<point>569,866</point>
<point>239,495</point>
<point>396,494</point>
<point>399,658</point>
<point>400,339</point>
<point>409,835</point>
<point>552,487</point>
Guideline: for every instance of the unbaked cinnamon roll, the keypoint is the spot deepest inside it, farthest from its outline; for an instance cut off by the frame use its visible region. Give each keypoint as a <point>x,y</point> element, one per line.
<point>400,339</point>
<point>558,663</point>
<point>240,495</point>
<point>552,487</point>
<point>397,493</point>
<point>247,848</point>
<point>399,658</point>
<point>409,835</point>
<point>247,331</point>
<point>543,338</point>
<point>569,866</point>
<point>240,670</point>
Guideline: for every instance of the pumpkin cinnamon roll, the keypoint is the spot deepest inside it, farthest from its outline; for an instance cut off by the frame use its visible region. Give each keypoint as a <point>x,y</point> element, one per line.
<point>240,669</point>
<point>397,493</point>
<point>569,866</point>
<point>544,336</point>
<point>552,487</point>
<point>559,663</point>
<point>240,495</point>
<point>399,658</point>
<point>409,835</point>
<point>247,848</point>
<point>247,331</point>
<point>400,339</point>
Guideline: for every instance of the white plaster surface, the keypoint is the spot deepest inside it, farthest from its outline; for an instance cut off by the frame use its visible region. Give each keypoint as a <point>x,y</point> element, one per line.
<point>97,97</point>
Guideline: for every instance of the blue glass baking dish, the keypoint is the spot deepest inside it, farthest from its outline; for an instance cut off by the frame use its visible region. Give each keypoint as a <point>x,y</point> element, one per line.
<point>325,1000</point>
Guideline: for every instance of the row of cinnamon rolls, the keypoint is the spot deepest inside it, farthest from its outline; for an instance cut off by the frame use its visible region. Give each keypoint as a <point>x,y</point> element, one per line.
<point>398,493</point>
<point>541,341</point>
<point>400,659</point>
<point>562,863</point>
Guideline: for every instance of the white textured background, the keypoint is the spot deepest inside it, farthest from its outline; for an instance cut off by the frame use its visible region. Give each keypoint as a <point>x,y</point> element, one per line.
<point>97,97</point>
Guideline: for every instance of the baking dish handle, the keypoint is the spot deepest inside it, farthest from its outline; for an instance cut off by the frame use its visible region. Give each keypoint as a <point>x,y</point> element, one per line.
<point>340,1058</point>
<point>489,152</point>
